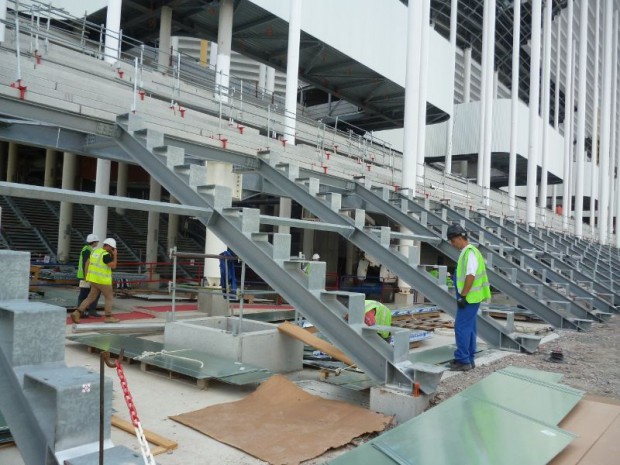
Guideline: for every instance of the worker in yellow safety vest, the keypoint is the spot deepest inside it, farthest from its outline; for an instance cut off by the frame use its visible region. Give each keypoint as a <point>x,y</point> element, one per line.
<point>92,241</point>
<point>375,313</point>
<point>100,265</point>
<point>472,288</point>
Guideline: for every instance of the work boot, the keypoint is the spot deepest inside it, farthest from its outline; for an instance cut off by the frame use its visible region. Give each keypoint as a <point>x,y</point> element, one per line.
<point>75,316</point>
<point>111,319</point>
<point>458,366</point>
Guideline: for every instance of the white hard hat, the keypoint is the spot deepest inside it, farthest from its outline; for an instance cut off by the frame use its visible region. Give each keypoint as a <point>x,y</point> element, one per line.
<point>316,256</point>
<point>111,242</point>
<point>92,238</point>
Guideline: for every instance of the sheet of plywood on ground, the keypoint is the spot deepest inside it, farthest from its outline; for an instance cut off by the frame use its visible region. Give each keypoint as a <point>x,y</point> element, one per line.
<point>304,336</point>
<point>162,444</point>
<point>597,423</point>
<point>504,315</point>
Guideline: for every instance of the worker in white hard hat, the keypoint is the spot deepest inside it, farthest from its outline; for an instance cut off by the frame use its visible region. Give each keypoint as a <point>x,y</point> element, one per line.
<point>92,241</point>
<point>100,265</point>
<point>315,258</point>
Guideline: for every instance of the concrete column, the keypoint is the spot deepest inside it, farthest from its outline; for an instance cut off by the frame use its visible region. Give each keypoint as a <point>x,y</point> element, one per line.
<point>65,218</point>
<point>3,6</point>
<point>424,44</point>
<point>224,45</point>
<point>308,243</point>
<point>213,55</point>
<point>571,165</point>
<point>614,112</point>
<point>11,165</point>
<point>484,69</point>
<point>491,89</point>
<point>532,155</point>
<point>285,212</point>
<point>173,227</point>
<point>581,115</point>
<point>113,26</point>
<point>595,119</point>
<point>270,83</point>
<point>152,235</point>
<point>467,77</point>
<point>568,117</point>
<point>558,77</point>
<point>292,71</point>
<point>514,104</point>
<point>122,175</point>
<point>217,173</point>
<point>412,95</point>
<point>49,178</point>
<point>605,124</point>
<point>495,84</point>
<point>102,187</point>
<point>546,111</point>
<point>453,16</point>
<point>262,79</point>
<point>165,32</point>
<point>554,199</point>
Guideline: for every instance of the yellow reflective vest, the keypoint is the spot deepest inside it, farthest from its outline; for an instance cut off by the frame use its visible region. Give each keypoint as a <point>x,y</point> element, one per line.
<point>98,271</point>
<point>480,288</point>
<point>383,315</point>
<point>80,272</point>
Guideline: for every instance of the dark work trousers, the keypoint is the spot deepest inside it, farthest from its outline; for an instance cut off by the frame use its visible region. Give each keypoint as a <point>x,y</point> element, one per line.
<point>465,333</point>
<point>92,309</point>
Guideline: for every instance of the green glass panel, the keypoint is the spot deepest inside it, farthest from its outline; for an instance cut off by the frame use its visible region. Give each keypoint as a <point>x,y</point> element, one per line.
<point>438,355</point>
<point>535,374</point>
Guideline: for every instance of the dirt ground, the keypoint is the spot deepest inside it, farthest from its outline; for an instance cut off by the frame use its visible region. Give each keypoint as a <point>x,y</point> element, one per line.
<point>591,362</point>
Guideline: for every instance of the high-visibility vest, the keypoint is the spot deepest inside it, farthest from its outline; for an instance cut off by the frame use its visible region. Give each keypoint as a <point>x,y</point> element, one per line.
<point>383,315</point>
<point>480,288</point>
<point>80,272</point>
<point>99,272</point>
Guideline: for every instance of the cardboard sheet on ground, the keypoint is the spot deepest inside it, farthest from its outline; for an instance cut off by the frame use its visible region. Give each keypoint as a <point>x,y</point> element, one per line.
<point>282,424</point>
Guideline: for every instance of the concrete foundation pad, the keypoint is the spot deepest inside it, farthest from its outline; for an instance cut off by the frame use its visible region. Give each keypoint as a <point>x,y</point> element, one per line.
<point>403,300</point>
<point>213,303</point>
<point>404,406</point>
<point>15,275</point>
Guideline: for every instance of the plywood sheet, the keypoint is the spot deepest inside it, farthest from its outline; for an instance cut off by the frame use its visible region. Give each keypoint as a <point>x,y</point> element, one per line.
<point>282,424</point>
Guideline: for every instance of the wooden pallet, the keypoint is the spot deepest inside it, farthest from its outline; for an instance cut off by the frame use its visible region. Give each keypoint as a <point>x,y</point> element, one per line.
<point>417,316</point>
<point>424,325</point>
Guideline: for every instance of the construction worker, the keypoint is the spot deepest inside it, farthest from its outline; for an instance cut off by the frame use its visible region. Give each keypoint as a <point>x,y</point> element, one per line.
<point>375,313</point>
<point>92,241</point>
<point>100,265</point>
<point>306,268</point>
<point>472,287</point>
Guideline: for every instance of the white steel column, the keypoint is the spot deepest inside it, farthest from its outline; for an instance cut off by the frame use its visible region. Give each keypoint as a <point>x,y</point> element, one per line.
<point>467,77</point>
<point>224,45</point>
<point>217,173</point>
<point>3,7</point>
<point>122,176</point>
<point>173,227</point>
<point>595,121</point>
<point>453,17</point>
<point>102,187</point>
<point>581,116</point>
<point>213,55</point>
<point>568,117</point>
<point>270,82</point>
<point>292,71</point>
<point>532,155</point>
<point>262,79</point>
<point>605,124</point>
<point>165,31</point>
<point>112,34</point>
<point>483,95</point>
<point>152,235</point>
<point>490,98</point>
<point>49,178</point>
<point>65,216</point>
<point>554,199</point>
<point>514,104</point>
<point>426,17</point>
<point>612,145</point>
<point>558,77</point>
<point>11,164</point>
<point>412,94</point>
<point>285,212</point>
<point>546,80</point>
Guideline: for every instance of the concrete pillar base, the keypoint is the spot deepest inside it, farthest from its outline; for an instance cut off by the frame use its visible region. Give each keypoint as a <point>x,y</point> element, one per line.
<point>404,406</point>
<point>213,303</point>
<point>403,300</point>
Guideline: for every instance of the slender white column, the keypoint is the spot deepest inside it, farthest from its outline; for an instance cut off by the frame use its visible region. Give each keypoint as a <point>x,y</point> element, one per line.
<point>514,104</point>
<point>573,131</point>
<point>532,155</point>
<point>614,111</point>
<point>262,78</point>
<point>467,75</point>
<point>617,200</point>
<point>285,212</point>
<point>546,80</point>
<point>292,71</point>
<point>483,94</point>
<point>270,82</point>
<point>605,124</point>
<point>213,55</point>
<point>165,32</point>
<point>122,176</point>
<point>581,115</point>
<point>453,16</point>
<point>412,94</point>
<point>49,177</point>
<point>3,6</point>
<point>65,217</point>
<point>173,227</point>
<point>568,115</point>
<point>217,173</point>
<point>426,16</point>
<point>554,198</point>
<point>491,90</point>
<point>495,84</point>
<point>112,35</point>
<point>102,187</point>
<point>224,45</point>
<point>11,164</point>
<point>558,76</point>
<point>152,235</point>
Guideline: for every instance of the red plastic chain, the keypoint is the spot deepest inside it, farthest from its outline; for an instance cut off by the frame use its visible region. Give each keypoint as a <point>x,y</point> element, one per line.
<point>135,421</point>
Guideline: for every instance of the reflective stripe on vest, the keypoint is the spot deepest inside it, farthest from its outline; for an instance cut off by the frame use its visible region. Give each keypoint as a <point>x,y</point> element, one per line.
<point>383,315</point>
<point>99,272</point>
<point>480,288</point>
<point>80,272</point>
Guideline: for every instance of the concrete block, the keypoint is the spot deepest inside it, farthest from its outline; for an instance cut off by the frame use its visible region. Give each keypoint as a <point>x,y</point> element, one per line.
<point>32,333</point>
<point>403,405</point>
<point>253,342</point>
<point>213,303</point>
<point>14,275</point>
<point>403,300</point>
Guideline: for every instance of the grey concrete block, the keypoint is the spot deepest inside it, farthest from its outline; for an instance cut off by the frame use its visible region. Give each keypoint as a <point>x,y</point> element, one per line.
<point>403,405</point>
<point>14,275</point>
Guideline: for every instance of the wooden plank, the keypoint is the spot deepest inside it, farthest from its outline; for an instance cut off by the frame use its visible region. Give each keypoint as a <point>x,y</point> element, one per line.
<point>151,437</point>
<point>304,336</point>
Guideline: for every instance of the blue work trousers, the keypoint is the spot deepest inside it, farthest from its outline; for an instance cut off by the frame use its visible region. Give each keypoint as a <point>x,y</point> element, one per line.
<point>465,333</point>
